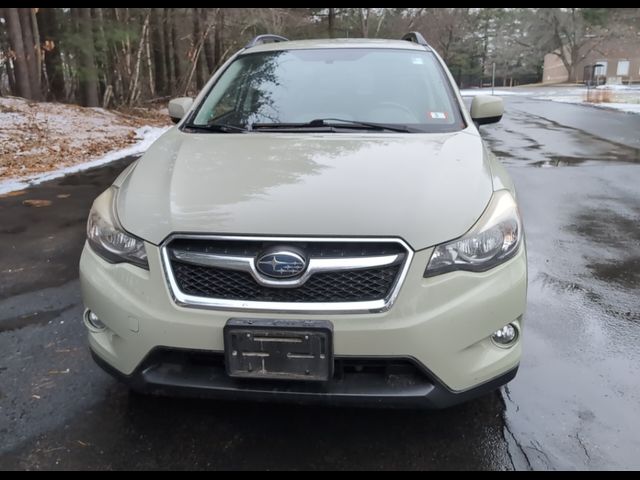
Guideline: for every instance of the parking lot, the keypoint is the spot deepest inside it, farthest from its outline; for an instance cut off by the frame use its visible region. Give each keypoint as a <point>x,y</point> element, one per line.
<point>573,405</point>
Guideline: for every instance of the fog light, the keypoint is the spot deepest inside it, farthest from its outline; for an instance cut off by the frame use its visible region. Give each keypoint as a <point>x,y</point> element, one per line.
<point>94,321</point>
<point>506,336</point>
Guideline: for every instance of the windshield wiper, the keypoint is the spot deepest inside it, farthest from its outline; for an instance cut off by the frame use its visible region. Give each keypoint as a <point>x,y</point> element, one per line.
<point>217,127</point>
<point>333,122</point>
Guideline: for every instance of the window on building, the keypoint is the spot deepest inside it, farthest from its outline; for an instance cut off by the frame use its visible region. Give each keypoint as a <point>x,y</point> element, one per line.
<point>601,68</point>
<point>623,68</point>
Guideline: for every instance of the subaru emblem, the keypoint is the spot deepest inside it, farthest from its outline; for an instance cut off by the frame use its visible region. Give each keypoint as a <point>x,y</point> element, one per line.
<point>281,264</point>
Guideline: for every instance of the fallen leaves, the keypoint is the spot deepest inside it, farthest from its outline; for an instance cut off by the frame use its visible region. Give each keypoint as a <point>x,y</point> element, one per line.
<point>15,193</point>
<point>40,137</point>
<point>36,203</point>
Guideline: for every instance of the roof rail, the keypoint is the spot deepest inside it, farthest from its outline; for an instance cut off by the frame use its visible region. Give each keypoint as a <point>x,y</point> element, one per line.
<point>268,38</point>
<point>416,37</point>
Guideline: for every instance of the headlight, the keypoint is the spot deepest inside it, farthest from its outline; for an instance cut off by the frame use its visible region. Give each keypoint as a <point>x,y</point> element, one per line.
<point>107,237</point>
<point>494,239</point>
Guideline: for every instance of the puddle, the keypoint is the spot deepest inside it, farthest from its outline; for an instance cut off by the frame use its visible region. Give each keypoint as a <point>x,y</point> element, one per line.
<point>607,228</point>
<point>617,265</point>
<point>624,272</point>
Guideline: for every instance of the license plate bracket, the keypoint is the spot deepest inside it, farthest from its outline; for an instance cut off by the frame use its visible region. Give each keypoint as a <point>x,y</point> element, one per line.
<point>279,349</point>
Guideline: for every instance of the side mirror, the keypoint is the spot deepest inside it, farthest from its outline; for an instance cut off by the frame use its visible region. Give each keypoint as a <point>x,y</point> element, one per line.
<point>178,108</point>
<point>486,109</point>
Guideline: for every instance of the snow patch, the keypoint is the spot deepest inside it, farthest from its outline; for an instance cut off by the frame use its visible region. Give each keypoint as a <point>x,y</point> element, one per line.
<point>618,87</point>
<point>146,136</point>
<point>622,107</point>
<point>632,107</point>
<point>472,92</point>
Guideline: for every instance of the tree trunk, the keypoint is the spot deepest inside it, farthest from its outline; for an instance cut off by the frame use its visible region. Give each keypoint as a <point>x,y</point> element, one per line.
<point>11,77</point>
<point>176,49</point>
<point>133,91</point>
<point>37,44</point>
<point>150,71</point>
<point>200,37</point>
<point>30,49</point>
<point>364,21</point>
<point>196,57</point>
<point>76,94</point>
<point>158,49</point>
<point>381,21</point>
<point>50,34</point>
<point>103,55</point>
<point>122,57</point>
<point>17,45</point>
<point>209,51</point>
<point>168,50</point>
<point>89,72</point>
<point>332,18</point>
<point>219,45</point>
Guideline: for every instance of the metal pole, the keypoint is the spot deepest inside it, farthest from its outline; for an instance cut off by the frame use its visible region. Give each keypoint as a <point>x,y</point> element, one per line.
<point>493,77</point>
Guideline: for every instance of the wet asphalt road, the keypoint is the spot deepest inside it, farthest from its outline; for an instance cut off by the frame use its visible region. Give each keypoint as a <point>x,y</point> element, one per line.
<point>574,404</point>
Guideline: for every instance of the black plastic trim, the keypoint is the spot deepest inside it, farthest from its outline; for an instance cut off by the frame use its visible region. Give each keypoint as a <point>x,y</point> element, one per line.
<point>427,394</point>
<point>267,38</point>
<point>487,120</point>
<point>416,37</point>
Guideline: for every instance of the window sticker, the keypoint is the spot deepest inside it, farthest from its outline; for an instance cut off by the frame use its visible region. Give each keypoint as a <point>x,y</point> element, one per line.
<point>418,61</point>
<point>438,115</point>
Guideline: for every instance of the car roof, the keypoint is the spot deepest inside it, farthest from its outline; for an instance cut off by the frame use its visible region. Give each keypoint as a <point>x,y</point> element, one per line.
<point>337,43</point>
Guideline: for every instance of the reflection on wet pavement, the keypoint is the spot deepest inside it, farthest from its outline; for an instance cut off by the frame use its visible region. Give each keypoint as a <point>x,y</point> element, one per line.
<point>525,139</point>
<point>574,402</point>
<point>42,245</point>
<point>625,272</point>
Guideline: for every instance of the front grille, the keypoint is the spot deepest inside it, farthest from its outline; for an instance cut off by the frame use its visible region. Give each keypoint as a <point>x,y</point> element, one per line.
<point>339,286</point>
<point>221,272</point>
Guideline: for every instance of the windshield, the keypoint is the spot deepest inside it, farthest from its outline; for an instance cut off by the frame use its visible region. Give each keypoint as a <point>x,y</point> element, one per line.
<point>384,86</point>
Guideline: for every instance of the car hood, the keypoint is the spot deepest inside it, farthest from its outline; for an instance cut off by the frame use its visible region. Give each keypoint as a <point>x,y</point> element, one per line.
<point>423,188</point>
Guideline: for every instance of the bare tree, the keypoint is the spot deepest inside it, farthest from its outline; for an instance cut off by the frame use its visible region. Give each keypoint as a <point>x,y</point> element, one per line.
<point>571,34</point>
<point>364,14</point>
<point>89,72</point>
<point>124,56</point>
<point>159,50</point>
<point>50,34</point>
<point>20,59</point>
<point>31,50</point>
<point>134,89</point>
<point>331,18</point>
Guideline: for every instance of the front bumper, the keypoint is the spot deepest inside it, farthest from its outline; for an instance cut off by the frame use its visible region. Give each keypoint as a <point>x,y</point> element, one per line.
<point>400,383</point>
<point>443,324</point>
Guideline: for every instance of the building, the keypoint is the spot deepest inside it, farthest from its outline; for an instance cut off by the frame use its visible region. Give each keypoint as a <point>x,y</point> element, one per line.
<point>614,61</point>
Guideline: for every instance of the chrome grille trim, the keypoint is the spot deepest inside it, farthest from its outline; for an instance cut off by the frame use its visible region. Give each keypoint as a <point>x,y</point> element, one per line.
<point>247,264</point>
<point>316,265</point>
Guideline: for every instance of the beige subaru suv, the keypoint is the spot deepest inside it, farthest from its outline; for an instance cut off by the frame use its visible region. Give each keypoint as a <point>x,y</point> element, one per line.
<point>324,223</point>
